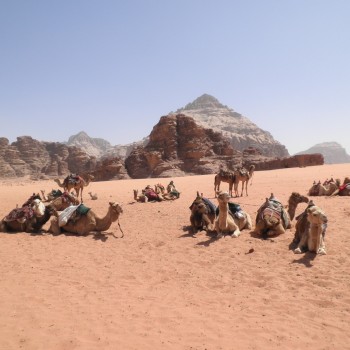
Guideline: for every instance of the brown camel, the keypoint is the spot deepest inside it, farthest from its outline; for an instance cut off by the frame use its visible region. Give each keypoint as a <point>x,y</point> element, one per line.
<point>244,176</point>
<point>228,222</point>
<point>302,224</point>
<point>160,190</point>
<point>312,238</point>
<point>272,219</point>
<point>30,218</point>
<point>224,176</point>
<point>76,182</point>
<point>202,214</point>
<point>327,189</point>
<point>293,201</point>
<point>64,201</point>
<point>82,224</point>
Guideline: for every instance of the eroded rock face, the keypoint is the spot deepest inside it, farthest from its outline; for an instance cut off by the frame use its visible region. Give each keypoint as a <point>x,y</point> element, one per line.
<point>177,145</point>
<point>27,156</point>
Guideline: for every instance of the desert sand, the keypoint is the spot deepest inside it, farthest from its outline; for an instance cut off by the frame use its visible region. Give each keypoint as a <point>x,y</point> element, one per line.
<point>160,287</point>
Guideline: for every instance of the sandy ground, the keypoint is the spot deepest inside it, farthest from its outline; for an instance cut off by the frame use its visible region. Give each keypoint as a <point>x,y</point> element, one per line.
<point>160,287</point>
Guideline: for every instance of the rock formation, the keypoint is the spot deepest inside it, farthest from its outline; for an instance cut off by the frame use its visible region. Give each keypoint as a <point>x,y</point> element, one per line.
<point>208,112</point>
<point>332,152</point>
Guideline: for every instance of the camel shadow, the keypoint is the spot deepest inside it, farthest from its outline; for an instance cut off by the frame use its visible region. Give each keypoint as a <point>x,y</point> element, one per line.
<point>306,259</point>
<point>263,237</point>
<point>212,238</point>
<point>188,229</point>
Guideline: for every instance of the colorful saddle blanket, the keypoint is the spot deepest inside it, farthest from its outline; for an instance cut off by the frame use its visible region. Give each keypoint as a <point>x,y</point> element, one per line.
<point>20,214</point>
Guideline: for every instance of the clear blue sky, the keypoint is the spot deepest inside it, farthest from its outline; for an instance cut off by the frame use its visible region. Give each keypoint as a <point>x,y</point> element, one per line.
<point>112,68</point>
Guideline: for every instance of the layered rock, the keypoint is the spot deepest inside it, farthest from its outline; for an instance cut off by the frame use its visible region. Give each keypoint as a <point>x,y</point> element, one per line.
<point>207,111</point>
<point>332,152</point>
<point>178,146</point>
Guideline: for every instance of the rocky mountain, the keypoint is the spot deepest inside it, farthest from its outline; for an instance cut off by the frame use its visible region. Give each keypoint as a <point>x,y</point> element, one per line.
<point>101,148</point>
<point>208,112</point>
<point>332,152</point>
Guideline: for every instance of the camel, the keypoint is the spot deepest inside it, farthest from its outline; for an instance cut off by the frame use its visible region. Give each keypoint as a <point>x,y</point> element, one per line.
<point>302,224</point>
<point>243,175</point>
<point>160,190</point>
<point>76,182</point>
<point>64,201</point>
<point>224,176</point>
<point>272,219</point>
<point>228,222</point>
<point>140,198</point>
<point>319,189</point>
<point>202,214</point>
<point>293,201</point>
<point>313,238</point>
<point>82,224</point>
<point>344,189</point>
<point>28,218</point>
<point>93,196</point>
<point>171,189</point>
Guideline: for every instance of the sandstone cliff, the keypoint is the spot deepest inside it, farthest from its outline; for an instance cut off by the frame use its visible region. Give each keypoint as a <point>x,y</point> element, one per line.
<point>207,111</point>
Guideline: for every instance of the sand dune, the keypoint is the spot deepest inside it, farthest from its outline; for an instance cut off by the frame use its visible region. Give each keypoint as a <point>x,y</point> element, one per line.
<point>160,287</point>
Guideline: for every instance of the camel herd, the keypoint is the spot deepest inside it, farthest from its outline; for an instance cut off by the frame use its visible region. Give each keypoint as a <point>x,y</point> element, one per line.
<point>68,214</point>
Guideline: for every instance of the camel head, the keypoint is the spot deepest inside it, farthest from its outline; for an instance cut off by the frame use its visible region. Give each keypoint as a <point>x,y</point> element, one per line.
<point>38,207</point>
<point>116,208</point>
<point>316,216</point>
<point>135,194</point>
<point>346,180</point>
<point>296,198</point>
<point>198,206</point>
<point>223,197</point>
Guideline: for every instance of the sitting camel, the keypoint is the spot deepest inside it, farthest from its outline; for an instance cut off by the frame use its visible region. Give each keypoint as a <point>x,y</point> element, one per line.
<point>319,189</point>
<point>302,224</point>
<point>243,175</point>
<point>293,201</point>
<point>202,214</point>
<point>171,189</point>
<point>224,176</point>
<point>64,201</point>
<point>272,219</point>
<point>344,189</point>
<point>228,222</point>
<point>86,222</point>
<point>93,196</point>
<point>76,182</point>
<point>312,239</point>
<point>142,198</point>
<point>160,190</point>
<point>28,218</point>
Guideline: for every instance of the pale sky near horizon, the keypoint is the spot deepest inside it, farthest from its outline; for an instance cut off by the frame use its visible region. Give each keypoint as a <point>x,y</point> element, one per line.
<point>112,68</point>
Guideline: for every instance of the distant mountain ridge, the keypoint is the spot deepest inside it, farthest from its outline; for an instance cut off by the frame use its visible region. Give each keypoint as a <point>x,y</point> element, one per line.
<point>207,111</point>
<point>332,152</point>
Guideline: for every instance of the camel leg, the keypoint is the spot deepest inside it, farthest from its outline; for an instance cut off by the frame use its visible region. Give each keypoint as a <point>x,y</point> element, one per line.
<point>301,244</point>
<point>236,233</point>
<point>322,249</point>
<point>54,227</point>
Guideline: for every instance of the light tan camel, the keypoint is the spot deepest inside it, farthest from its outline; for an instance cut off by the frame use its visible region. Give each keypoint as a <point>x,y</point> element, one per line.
<point>227,223</point>
<point>202,214</point>
<point>160,190</point>
<point>93,196</point>
<point>319,189</point>
<point>344,189</point>
<point>75,182</point>
<point>142,198</point>
<point>224,176</point>
<point>272,218</point>
<point>313,237</point>
<point>90,222</point>
<point>243,175</point>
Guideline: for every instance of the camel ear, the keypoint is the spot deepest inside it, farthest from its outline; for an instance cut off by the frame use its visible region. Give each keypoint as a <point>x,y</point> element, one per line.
<point>111,203</point>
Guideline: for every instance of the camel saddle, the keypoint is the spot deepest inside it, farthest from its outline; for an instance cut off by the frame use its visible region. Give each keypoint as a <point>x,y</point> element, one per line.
<point>20,214</point>
<point>56,193</point>
<point>211,206</point>
<point>72,179</point>
<point>273,208</point>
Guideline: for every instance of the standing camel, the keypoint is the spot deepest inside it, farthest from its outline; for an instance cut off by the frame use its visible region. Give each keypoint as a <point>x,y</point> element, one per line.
<point>76,182</point>
<point>224,176</point>
<point>243,175</point>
